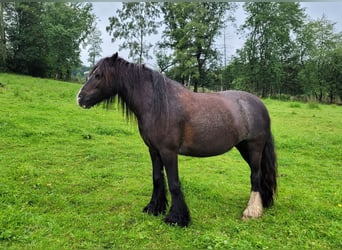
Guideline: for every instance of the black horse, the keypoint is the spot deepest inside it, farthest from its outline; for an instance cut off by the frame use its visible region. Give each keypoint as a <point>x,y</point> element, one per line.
<point>173,120</point>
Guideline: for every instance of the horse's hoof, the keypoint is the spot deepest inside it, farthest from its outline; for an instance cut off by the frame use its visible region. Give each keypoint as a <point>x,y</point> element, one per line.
<point>154,210</point>
<point>181,221</point>
<point>254,209</point>
<point>252,212</point>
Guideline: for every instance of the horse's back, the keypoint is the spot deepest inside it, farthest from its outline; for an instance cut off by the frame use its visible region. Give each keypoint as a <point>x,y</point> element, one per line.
<point>252,109</point>
<point>244,98</point>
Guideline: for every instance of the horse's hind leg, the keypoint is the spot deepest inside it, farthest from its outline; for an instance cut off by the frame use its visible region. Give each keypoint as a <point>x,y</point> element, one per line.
<point>252,153</point>
<point>158,201</point>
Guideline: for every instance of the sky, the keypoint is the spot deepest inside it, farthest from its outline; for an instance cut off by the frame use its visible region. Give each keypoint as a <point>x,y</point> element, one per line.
<point>104,10</point>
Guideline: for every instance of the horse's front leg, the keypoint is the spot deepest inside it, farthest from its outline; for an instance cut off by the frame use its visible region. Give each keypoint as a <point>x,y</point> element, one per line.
<point>158,201</point>
<point>179,212</point>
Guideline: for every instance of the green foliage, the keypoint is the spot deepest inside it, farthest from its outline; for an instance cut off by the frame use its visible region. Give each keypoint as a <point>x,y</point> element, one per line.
<point>286,54</point>
<point>268,51</point>
<point>25,51</point>
<point>43,39</point>
<point>94,42</point>
<point>68,25</point>
<point>313,105</point>
<point>322,70</point>
<point>3,52</point>
<point>191,30</point>
<point>78,179</point>
<point>134,23</point>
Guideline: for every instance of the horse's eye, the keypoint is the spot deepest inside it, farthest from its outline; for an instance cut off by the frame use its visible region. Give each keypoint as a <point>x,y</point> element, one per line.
<point>98,76</point>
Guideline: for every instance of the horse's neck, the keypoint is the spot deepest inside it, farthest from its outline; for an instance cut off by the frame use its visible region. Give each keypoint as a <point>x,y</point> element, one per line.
<point>138,96</point>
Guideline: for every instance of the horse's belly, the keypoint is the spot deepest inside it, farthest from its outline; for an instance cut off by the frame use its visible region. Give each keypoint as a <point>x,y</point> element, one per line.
<point>202,152</point>
<point>207,143</point>
<point>212,128</point>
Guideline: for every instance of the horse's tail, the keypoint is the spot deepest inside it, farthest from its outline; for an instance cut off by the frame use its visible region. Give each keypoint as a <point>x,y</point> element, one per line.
<point>268,172</point>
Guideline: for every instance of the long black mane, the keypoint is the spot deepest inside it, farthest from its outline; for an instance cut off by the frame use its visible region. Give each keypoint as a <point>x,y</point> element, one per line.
<point>119,72</point>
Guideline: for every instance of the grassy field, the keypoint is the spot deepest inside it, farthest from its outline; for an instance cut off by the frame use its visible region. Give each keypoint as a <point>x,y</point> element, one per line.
<point>73,178</point>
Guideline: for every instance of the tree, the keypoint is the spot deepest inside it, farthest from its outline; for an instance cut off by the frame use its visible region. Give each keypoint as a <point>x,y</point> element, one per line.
<point>67,26</point>
<point>270,30</point>
<point>191,29</point>
<point>26,49</point>
<point>320,53</point>
<point>134,23</point>
<point>3,52</point>
<point>43,38</point>
<point>334,73</point>
<point>164,60</point>
<point>94,42</point>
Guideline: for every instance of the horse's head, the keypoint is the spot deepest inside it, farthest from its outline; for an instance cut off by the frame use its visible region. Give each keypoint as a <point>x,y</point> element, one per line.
<point>99,86</point>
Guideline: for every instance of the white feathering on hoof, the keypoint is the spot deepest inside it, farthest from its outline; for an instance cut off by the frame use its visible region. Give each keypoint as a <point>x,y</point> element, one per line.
<point>254,208</point>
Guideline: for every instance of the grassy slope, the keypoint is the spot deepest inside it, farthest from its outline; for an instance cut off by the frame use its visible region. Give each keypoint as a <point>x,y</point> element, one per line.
<point>73,178</point>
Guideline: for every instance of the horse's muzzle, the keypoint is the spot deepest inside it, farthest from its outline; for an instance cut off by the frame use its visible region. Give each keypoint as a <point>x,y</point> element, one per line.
<point>82,101</point>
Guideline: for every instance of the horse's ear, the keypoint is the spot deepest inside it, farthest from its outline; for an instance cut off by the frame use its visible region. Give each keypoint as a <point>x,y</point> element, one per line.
<point>114,56</point>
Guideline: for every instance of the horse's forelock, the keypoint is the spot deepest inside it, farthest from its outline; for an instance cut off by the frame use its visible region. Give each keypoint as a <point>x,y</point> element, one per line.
<point>105,68</point>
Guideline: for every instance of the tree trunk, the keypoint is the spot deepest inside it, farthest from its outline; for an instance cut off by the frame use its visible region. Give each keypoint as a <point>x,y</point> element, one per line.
<point>3,52</point>
<point>195,86</point>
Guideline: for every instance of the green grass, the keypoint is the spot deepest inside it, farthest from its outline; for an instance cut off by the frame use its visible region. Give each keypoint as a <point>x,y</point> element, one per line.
<point>73,178</point>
